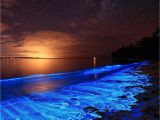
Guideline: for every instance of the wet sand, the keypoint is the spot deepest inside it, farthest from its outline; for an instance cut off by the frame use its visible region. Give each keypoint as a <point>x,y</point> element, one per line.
<point>147,107</point>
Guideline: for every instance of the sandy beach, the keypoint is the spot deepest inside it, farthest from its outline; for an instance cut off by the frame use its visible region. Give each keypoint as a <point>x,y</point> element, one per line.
<point>147,107</point>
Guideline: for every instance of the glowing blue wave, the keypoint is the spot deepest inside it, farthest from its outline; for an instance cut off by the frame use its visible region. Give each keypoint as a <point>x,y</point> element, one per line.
<point>113,92</point>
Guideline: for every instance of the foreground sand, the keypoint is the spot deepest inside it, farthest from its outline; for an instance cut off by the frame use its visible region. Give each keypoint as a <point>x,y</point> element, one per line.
<point>147,107</point>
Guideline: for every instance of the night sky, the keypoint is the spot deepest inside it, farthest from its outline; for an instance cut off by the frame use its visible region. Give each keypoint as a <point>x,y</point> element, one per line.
<point>74,28</point>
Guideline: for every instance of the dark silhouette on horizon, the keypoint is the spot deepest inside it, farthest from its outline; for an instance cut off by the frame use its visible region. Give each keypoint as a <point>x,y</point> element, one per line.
<point>145,49</point>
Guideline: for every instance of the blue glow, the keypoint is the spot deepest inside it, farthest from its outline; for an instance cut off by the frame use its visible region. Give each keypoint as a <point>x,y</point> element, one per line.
<point>113,91</point>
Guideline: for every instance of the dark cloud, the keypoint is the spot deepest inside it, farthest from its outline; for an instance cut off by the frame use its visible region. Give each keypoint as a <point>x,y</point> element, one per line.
<point>90,26</point>
<point>4,27</point>
<point>8,3</point>
<point>28,51</point>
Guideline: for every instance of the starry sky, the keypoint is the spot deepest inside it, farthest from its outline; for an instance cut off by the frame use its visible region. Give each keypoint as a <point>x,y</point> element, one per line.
<point>74,28</point>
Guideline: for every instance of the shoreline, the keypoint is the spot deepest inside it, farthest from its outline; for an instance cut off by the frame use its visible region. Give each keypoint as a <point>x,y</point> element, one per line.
<point>147,105</point>
<point>127,83</point>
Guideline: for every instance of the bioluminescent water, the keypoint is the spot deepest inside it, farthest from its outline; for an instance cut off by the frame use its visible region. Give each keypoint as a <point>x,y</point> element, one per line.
<point>73,96</point>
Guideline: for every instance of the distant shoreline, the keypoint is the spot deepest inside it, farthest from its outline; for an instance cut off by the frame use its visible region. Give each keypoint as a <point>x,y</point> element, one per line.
<point>52,58</point>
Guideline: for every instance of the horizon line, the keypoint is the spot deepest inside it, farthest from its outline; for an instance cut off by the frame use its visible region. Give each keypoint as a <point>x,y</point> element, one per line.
<point>53,57</point>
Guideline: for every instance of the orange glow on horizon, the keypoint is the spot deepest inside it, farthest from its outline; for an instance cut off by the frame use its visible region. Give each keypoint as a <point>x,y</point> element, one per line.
<point>43,44</point>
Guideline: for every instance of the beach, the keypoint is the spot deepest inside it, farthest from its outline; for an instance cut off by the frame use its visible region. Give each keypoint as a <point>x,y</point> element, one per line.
<point>147,106</point>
